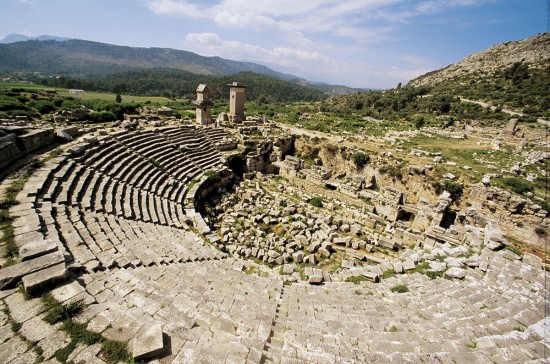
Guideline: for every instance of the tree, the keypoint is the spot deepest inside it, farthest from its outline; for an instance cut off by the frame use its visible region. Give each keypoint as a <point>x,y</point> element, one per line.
<point>118,98</point>
<point>419,122</point>
<point>360,159</point>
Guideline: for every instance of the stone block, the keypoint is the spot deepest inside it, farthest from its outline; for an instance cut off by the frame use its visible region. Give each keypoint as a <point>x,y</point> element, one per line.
<point>149,344</point>
<point>324,252</point>
<point>408,264</point>
<point>298,257</point>
<point>371,276</point>
<point>67,291</point>
<point>37,281</point>
<point>37,248</point>
<point>456,272</point>
<point>9,276</point>
<point>315,279</point>
<point>288,268</point>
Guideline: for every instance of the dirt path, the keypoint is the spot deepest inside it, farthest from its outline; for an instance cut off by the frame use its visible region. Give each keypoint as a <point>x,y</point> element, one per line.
<point>510,112</point>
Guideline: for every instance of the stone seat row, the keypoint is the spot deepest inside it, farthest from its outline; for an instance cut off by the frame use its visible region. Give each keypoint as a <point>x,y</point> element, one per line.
<point>114,193</point>
<point>99,241</point>
<point>196,147</point>
<point>77,185</point>
<point>438,317</point>
<point>229,311</point>
<point>216,135</point>
<point>337,321</point>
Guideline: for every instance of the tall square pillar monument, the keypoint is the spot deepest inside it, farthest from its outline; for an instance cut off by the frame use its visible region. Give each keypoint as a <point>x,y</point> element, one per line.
<point>236,102</point>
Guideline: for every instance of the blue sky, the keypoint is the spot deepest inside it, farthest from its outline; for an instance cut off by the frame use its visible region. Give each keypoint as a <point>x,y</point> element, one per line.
<point>359,43</point>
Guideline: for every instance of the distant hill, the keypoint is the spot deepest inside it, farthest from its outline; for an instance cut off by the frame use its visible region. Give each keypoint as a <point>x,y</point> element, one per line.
<point>79,57</point>
<point>534,52</point>
<point>512,75</point>
<point>12,38</point>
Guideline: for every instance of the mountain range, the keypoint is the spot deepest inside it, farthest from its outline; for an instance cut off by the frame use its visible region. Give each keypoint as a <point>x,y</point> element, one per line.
<point>75,58</point>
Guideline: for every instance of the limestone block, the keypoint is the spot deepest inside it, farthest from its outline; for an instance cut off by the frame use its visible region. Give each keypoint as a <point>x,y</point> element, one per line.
<point>507,254</point>
<point>324,252</point>
<point>9,276</point>
<point>398,267</point>
<point>149,344</point>
<point>314,279</point>
<point>437,266</point>
<point>37,281</point>
<point>67,291</point>
<point>298,257</point>
<point>456,272</point>
<point>408,264</point>
<point>371,276</point>
<point>288,268</point>
<point>37,248</point>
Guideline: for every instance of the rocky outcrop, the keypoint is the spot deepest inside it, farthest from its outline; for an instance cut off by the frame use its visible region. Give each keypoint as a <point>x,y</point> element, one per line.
<point>535,51</point>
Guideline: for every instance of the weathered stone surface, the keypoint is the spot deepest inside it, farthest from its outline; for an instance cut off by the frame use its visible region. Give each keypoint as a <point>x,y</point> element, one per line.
<point>371,276</point>
<point>38,281</point>
<point>67,291</point>
<point>455,272</point>
<point>11,275</point>
<point>37,248</point>
<point>149,344</point>
<point>37,329</point>
<point>408,264</point>
<point>315,279</point>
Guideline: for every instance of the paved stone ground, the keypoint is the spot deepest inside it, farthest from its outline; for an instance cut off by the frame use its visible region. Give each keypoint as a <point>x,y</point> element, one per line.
<point>212,311</point>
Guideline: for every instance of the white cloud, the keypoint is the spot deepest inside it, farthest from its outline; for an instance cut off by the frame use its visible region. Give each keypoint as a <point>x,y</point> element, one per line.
<point>173,7</point>
<point>325,67</point>
<point>213,44</point>
<point>335,40</point>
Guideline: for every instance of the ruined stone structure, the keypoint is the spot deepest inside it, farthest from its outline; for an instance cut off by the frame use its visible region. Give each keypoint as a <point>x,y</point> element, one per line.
<point>204,105</point>
<point>236,102</point>
<point>263,275</point>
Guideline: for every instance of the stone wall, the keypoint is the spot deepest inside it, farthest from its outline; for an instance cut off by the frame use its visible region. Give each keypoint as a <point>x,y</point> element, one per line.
<point>8,150</point>
<point>519,217</point>
<point>35,139</point>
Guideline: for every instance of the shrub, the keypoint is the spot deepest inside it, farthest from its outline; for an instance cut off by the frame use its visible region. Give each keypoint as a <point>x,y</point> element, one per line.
<point>519,185</point>
<point>102,116</point>
<point>400,288</point>
<point>360,159</point>
<point>61,312</point>
<point>115,351</point>
<point>454,188</point>
<point>392,171</point>
<point>389,273</point>
<point>316,201</point>
<point>212,177</point>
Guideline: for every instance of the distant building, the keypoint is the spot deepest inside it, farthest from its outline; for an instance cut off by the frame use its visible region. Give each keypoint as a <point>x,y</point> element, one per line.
<point>236,102</point>
<point>203,105</point>
<point>76,91</point>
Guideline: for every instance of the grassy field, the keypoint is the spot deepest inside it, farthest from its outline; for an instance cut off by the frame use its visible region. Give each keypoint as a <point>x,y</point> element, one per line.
<point>88,95</point>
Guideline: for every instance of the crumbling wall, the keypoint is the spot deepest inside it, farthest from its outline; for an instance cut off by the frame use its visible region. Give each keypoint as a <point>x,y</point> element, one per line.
<point>8,150</point>
<point>16,143</point>
<point>35,139</point>
<point>519,217</point>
